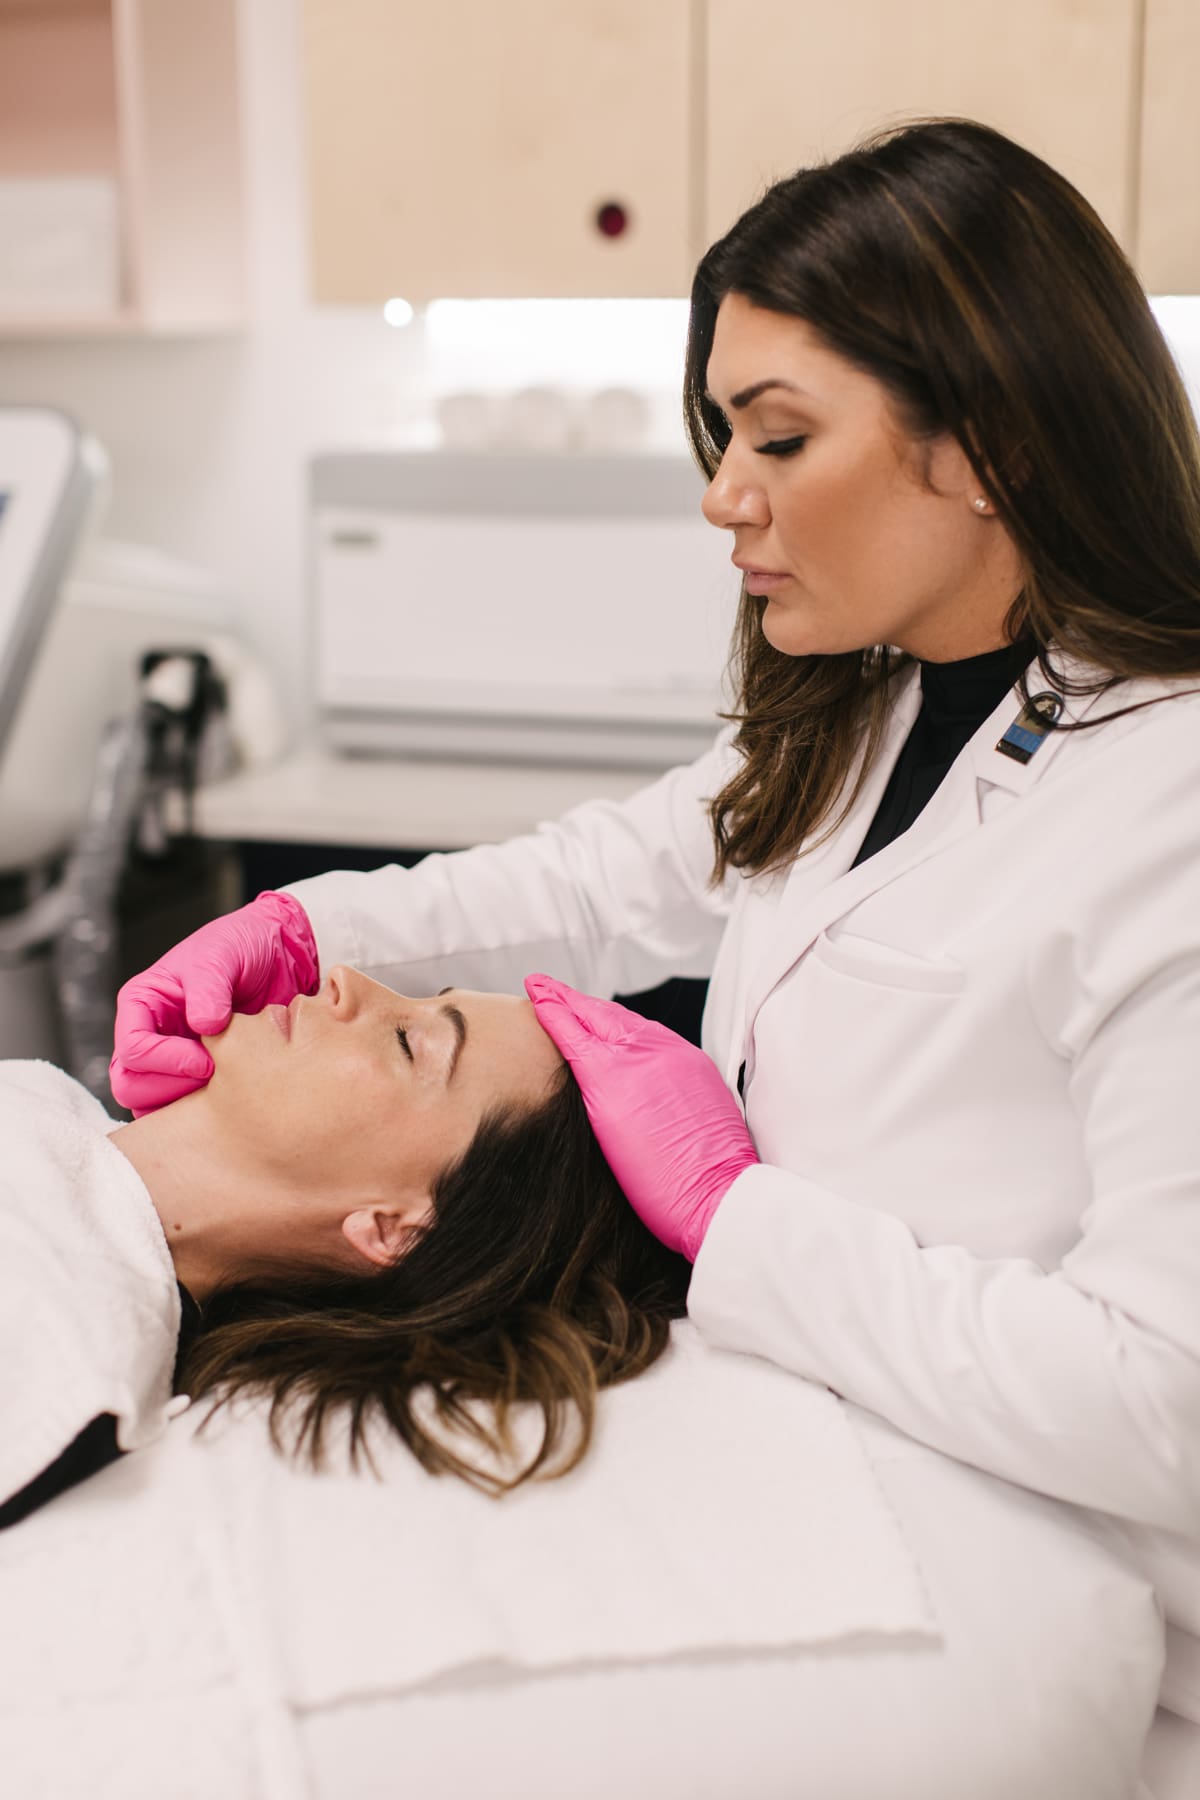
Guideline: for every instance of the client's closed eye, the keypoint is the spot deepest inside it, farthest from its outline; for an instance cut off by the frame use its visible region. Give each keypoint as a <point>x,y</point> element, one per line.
<point>402,1040</point>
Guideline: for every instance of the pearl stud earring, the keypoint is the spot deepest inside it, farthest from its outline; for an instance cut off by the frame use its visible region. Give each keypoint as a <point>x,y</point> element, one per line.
<point>980,504</point>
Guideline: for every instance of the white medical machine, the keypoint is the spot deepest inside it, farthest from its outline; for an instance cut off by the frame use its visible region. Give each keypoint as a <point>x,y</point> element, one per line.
<point>530,608</point>
<point>49,475</point>
<point>75,623</point>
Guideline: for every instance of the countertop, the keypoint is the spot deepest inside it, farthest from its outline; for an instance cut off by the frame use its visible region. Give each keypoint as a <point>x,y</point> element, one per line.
<point>316,796</point>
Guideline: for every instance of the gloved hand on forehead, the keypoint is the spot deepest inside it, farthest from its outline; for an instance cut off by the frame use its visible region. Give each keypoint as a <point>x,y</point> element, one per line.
<point>671,1131</point>
<point>263,954</point>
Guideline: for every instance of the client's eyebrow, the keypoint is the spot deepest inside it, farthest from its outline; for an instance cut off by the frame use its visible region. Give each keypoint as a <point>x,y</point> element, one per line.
<point>460,1036</point>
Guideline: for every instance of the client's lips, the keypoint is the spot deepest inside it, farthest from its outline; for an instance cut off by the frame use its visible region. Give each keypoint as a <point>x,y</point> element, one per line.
<point>283,1018</point>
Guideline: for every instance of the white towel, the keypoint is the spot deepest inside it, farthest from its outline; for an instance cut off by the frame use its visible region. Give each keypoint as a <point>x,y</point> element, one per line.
<point>166,1622</point>
<point>724,1506</point>
<point>89,1307</point>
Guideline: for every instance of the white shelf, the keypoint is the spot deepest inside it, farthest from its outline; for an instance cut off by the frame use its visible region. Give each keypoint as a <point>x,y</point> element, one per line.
<point>142,95</point>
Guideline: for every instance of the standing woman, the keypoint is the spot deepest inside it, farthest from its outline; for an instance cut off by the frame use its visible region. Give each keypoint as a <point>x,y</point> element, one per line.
<point>944,873</point>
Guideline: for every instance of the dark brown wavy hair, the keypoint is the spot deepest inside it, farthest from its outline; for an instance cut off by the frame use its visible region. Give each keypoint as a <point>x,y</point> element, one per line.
<point>990,301</point>
<point>536,1281</point>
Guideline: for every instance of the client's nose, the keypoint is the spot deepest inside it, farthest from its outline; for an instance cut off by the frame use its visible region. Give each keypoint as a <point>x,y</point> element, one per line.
<point>345,990</point>
<point>351,992</point>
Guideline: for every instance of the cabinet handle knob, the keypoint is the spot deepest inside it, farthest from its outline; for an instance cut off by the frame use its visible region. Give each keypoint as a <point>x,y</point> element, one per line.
<point>612,219</point>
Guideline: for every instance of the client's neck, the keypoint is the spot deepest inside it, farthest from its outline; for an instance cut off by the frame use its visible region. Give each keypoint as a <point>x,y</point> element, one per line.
<point>215,1214</point>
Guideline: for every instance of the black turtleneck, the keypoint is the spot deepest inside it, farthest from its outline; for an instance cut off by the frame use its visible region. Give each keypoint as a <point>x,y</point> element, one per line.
<point>956,698</point>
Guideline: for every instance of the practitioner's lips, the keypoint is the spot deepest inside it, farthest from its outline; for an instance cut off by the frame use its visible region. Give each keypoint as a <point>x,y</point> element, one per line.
<point>761,581</point>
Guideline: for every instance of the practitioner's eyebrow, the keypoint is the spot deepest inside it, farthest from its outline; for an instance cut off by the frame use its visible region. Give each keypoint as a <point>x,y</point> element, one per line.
<point>460,1032</point>
<point>743,399</point>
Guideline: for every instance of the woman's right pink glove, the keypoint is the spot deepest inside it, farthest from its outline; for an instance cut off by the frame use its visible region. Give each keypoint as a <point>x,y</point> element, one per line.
<point>263,954</point>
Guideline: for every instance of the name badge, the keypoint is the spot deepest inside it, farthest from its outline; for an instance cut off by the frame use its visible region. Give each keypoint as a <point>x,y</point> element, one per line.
<point>1029,729</point>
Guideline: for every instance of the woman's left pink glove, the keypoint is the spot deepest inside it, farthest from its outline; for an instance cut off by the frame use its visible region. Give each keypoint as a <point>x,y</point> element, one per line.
<point>264,952</point>
<point>671,1131</point>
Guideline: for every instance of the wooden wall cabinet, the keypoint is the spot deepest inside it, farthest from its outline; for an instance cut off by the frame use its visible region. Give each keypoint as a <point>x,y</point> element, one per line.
<point>142,94</point>
<point>1167,245</point>
<point>1058,76</point>
<point>466,149</point>
<point>471,149</point>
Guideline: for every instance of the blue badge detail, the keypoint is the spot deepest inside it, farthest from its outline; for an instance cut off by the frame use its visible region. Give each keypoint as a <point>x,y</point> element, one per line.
<point>1028,730</point>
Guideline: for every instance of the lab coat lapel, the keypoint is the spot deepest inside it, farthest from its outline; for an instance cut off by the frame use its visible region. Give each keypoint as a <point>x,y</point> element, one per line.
<point>824,872</point>
<point>823,887</point>
<point>993,768</point>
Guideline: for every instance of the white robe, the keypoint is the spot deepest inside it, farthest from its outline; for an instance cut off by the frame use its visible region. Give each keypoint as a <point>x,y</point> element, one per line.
<point>89,1306</point>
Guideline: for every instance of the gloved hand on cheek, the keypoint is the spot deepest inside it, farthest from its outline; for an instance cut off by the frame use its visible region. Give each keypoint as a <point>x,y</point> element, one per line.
<point>260,955</point>
<point>670,1129</point>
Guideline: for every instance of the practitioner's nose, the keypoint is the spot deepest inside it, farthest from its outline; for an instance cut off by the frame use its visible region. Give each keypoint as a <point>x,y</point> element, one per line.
<point>734,497</point>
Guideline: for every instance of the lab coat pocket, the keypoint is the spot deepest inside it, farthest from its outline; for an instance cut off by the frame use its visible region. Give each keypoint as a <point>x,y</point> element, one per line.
<point>847,1054</point>
<point>882,965</point>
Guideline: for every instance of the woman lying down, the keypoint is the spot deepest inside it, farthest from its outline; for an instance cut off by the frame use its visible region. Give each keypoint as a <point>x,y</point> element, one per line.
<point>372,1196</point>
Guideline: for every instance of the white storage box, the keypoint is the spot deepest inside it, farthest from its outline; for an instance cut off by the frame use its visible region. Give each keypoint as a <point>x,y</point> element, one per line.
<point>535,608</point>
<point>59,246</point>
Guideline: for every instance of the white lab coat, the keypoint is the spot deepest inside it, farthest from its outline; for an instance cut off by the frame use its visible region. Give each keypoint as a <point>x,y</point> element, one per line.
<point>971,1077</point>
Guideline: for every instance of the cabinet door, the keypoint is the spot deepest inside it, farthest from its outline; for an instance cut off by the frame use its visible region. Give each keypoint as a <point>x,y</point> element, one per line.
<point>467,148</point>
<point>1168,234</point>
<point>792,80</point>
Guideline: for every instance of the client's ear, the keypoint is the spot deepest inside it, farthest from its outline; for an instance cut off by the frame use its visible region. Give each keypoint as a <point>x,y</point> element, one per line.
<point>381,1235</point>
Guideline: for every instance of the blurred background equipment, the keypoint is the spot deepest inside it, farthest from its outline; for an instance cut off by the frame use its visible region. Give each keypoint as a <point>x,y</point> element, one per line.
<point>50,479</point>
<point>120,685</point>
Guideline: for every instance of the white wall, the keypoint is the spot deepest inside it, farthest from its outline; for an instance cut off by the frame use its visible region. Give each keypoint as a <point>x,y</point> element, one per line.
<point>209,439</point>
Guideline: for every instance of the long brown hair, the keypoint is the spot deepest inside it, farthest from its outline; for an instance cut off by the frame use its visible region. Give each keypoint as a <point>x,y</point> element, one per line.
<point>535,1281</point>
<point>988,298</point>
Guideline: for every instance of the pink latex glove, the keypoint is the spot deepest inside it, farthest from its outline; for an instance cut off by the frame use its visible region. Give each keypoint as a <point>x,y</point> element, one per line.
<point>671,1131</point>
<point>262,954</point>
